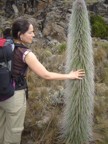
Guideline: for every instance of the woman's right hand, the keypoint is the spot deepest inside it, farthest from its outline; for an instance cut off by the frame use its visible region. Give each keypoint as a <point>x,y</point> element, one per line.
<point>79,74</point>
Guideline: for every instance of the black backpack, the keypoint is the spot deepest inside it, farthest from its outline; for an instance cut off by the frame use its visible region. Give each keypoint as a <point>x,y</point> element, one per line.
<point>6,81</point>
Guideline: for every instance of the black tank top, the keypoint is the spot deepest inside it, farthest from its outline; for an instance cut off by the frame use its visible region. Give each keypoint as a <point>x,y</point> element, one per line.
<point>19,67</point>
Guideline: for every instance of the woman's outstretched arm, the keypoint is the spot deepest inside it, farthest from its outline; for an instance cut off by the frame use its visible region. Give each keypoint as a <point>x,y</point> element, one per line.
<point>40,70</point>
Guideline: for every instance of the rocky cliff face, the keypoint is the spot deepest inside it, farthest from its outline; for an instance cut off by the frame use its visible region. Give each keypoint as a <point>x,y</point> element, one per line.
<point>50,16</point>
<point>100,8</point>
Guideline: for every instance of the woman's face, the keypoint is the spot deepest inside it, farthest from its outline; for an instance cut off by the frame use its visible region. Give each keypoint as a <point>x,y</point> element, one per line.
<point>27,37</point>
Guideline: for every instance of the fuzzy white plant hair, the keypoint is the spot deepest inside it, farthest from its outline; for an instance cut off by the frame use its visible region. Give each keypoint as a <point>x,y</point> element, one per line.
<point>76,125</point>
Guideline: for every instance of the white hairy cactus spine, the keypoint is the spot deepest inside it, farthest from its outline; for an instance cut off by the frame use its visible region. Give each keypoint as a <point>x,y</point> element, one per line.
<point>79,94</point>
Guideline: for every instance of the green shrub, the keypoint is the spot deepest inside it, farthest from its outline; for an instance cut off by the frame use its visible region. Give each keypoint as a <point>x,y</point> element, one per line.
<point>99,27</point>
<point>61,48</point>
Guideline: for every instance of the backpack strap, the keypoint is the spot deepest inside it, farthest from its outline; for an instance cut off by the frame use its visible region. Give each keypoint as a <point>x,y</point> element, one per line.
<point>5,59</point>
<point>19,45</point>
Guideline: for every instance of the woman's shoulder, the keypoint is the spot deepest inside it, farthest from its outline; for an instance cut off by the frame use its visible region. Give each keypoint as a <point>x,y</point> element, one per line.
<point>26,52</point>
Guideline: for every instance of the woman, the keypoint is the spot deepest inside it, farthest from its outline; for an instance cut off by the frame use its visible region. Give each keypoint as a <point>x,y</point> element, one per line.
<point>12,110</point>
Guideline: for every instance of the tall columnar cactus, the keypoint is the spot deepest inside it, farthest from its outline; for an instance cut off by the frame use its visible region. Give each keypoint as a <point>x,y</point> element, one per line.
<point>78,112</point>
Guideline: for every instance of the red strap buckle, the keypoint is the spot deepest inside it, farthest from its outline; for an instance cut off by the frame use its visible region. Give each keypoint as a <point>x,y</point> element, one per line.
<point>2,42</point>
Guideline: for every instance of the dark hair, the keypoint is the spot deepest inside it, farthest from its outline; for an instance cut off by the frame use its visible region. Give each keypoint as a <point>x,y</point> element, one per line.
<point>7,32</point>
<point>20,25</point>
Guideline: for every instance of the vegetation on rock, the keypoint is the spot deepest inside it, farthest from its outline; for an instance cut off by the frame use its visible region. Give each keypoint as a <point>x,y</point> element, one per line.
<point>99,27</point>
